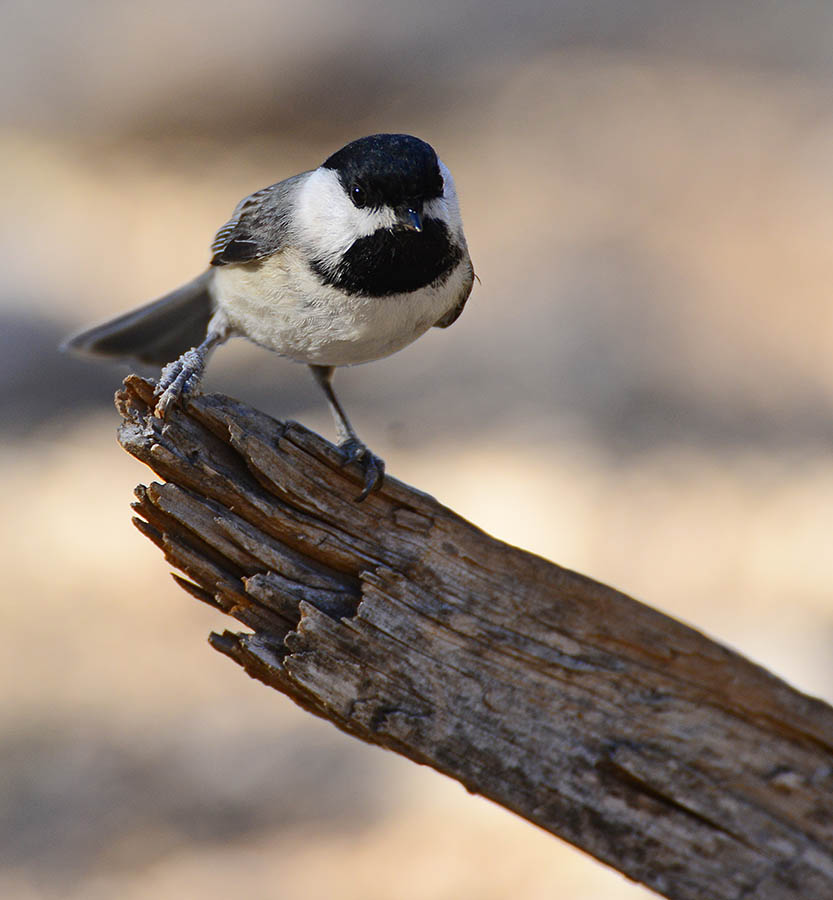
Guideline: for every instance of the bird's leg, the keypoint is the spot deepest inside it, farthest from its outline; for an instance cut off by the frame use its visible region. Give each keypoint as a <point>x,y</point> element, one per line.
<point>182,376</point>
<point>348,442</point>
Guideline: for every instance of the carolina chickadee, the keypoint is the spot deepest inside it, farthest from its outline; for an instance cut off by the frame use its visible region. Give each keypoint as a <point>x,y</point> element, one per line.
<point>340,265</point>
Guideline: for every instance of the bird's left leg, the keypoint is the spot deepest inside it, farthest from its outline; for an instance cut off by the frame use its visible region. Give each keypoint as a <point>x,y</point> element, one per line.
<point>348,441</point>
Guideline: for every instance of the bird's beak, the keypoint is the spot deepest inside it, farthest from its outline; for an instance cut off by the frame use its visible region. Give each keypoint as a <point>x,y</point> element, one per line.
<point>409,218</point>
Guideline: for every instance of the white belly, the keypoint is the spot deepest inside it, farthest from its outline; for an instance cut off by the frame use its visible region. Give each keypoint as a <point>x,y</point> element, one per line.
<point>279,304</point>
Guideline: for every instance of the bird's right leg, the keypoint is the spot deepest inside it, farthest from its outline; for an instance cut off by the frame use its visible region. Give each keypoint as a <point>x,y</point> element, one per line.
<point>182,376</point>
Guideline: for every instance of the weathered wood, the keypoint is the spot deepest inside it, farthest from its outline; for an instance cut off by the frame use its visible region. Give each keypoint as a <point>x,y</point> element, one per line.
<point>634,737</point>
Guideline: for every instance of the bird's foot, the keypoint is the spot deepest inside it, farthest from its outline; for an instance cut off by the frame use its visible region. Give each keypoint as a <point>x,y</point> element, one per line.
<point>353,450</point>
<point>178,379</point>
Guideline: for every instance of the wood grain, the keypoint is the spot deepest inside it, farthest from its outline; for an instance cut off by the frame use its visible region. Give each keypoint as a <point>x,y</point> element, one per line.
<point>632,736</point>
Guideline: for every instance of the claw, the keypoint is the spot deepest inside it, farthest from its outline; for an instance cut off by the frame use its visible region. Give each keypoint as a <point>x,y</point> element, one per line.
<point>166,399</point>
<point>354,450</point>
<point>178,379</point>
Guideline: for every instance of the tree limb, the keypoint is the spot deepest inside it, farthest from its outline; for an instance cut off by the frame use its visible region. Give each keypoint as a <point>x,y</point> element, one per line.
<point>636,738</point>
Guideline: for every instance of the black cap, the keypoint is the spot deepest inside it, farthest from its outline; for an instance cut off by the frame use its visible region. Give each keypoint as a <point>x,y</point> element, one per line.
<point>388,170</point>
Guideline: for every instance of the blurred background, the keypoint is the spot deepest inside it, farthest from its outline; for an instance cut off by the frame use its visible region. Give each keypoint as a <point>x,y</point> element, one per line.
<point>641,388</point>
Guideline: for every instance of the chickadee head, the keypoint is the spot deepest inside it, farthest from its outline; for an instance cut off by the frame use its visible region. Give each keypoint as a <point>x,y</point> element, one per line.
<point>380,216</point>
<point>391,172</point>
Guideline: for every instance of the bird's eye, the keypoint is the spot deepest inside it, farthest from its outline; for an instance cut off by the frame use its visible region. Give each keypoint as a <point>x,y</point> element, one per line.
<point>357,195</point>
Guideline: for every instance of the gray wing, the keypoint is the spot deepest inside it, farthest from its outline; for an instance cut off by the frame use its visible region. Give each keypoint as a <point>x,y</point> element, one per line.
<point>454,313</point>
<point>259,225</point>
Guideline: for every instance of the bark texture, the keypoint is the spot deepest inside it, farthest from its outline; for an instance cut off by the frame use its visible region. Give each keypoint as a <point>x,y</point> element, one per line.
<point>632,736</point>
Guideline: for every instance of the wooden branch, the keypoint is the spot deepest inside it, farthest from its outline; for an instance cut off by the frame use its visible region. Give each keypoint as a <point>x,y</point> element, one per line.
<point>634,737</point>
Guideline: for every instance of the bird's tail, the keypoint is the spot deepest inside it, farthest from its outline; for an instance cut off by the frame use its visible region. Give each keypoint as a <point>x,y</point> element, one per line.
<point>157,332</point>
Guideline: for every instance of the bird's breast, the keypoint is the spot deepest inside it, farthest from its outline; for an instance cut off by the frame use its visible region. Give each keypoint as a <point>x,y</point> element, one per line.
<point>283,304</point>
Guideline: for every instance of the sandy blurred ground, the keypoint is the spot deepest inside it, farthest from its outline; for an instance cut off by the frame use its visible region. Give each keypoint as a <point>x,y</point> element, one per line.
<point>641,388</point>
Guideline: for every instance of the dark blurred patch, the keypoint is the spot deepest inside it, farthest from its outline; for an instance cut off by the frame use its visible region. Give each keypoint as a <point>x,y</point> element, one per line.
<point>606,352</point>
<point>620,414</point>
<point>73,801</point>
<point>41,384</point>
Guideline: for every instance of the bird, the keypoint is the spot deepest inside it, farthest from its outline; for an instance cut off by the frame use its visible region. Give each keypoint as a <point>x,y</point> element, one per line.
<point>342,264</point>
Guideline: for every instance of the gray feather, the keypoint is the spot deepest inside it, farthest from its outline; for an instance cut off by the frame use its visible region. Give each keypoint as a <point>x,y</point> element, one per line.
<point>454,313</point>
<point>259,225</point>
<point>158,332</point>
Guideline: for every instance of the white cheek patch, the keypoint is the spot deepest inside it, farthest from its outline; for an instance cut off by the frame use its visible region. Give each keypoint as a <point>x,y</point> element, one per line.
<point>327,221</point>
